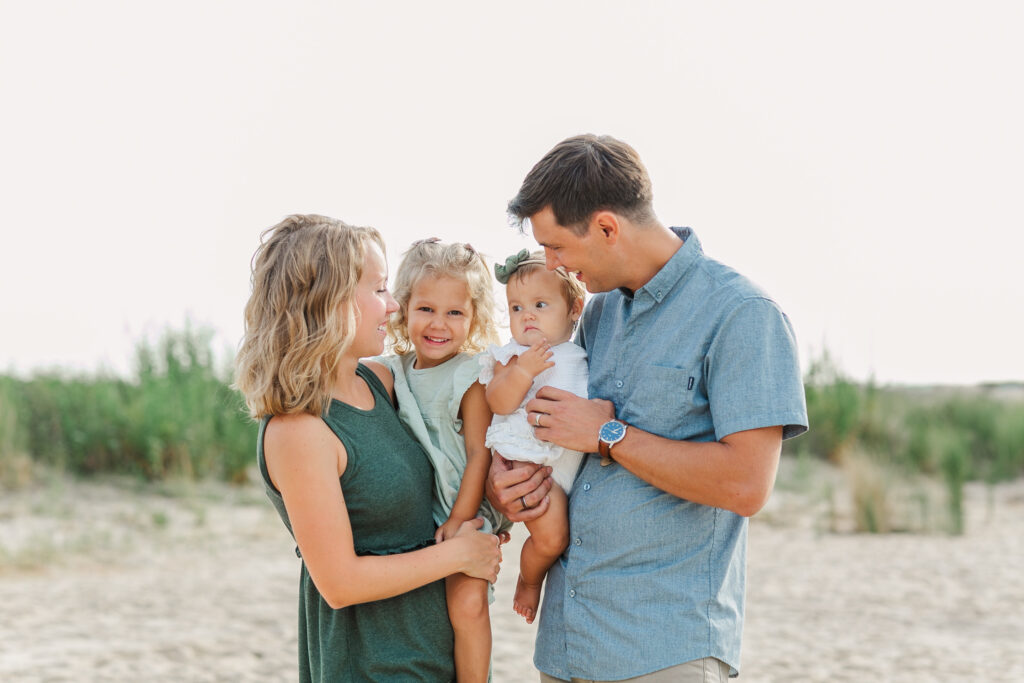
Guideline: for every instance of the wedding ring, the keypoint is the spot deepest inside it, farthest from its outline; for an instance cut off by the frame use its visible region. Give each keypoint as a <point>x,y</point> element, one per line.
<point>522,499</point>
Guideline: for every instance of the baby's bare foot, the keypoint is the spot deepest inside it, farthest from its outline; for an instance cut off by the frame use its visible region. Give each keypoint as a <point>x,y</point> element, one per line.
<point>526,599</point>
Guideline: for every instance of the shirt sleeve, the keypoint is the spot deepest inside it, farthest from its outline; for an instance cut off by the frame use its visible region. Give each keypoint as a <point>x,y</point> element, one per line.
<point>491,355</point>
<point>753,372</point>
<point>467,372</point>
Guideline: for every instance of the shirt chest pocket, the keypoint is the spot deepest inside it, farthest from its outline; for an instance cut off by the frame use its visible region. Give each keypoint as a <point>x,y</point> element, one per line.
<point>666,401</point>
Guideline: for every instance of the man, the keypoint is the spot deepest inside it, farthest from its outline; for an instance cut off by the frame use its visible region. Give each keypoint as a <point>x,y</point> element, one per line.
<point>694,383</point>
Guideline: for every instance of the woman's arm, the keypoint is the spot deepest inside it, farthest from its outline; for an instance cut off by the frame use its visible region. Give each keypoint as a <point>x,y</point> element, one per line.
<point>512,382</point>
<point>476,417</point>
<point>305,460</point>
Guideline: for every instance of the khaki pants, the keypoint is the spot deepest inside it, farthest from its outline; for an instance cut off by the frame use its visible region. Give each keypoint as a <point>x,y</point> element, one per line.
<point>707,670</point>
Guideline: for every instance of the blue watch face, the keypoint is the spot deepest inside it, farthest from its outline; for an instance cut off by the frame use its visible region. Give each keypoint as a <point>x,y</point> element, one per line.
<point>612,432</point>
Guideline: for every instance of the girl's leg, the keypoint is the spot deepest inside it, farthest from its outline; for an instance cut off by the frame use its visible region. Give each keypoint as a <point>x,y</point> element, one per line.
<point>549,537</point>
<point>471,622</point>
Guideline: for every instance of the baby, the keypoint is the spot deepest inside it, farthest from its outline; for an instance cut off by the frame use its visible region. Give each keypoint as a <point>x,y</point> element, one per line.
<point>544,307</point>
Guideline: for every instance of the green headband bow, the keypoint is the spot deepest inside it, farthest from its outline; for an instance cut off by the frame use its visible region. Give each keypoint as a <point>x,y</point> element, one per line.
<point>512,264</point>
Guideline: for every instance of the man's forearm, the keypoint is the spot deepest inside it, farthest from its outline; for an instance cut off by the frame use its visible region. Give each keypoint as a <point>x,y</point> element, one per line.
<point>736,473</point>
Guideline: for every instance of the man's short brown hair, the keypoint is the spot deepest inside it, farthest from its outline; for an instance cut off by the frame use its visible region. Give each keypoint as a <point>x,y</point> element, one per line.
<point>581,175</point>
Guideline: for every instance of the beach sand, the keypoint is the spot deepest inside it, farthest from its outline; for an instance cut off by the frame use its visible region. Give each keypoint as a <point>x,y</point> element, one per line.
<point>113,581</point>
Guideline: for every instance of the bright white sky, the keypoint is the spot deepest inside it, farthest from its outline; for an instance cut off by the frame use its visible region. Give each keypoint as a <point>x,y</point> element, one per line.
<point>864,162</point>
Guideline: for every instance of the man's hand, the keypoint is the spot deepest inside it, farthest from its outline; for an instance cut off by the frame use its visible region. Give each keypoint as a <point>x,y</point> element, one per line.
<point>570,421</point>
<point>519,493</point>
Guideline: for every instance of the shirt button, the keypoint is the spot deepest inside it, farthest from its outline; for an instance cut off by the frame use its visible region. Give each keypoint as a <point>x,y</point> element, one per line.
<point>572,594</point>
<point>619,384</point>
<point>578,542</point>
<point>586,487</point>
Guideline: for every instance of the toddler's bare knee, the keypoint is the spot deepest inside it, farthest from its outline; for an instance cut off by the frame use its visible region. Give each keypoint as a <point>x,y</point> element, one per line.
<point>551,543</point>
<point>468,606</point>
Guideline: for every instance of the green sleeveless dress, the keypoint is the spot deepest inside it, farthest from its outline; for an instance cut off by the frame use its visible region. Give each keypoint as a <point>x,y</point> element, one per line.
<point>387,485</point>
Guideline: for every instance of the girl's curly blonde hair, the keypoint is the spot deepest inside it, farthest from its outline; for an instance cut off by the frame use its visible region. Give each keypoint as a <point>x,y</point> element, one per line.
<point>301,315</point>
<point>433,258</point>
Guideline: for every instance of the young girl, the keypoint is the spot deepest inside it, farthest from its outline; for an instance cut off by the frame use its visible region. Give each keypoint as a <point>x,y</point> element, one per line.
<point>544,307</point>
<point>445,313</point>
<point>350,483</point>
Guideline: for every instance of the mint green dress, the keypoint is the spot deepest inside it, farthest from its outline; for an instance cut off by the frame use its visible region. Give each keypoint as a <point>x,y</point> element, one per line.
<point>428,404</point>
<point>388,496</point>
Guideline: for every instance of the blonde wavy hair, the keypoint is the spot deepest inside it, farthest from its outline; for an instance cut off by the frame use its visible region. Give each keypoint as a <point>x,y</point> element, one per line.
<point>433,258</point>
<point>572,289</point>
<point>301,315</point>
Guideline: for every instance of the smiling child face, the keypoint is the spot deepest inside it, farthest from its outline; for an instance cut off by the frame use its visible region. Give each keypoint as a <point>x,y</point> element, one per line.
<point>440,316</point>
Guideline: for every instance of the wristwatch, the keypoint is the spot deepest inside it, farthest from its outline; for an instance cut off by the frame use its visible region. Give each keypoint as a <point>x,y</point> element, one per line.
<point>611,433</point>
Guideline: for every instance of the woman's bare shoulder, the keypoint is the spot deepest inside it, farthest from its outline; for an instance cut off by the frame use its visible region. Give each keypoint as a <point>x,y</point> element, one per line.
<point>383,374</point>
<point>300,431</point>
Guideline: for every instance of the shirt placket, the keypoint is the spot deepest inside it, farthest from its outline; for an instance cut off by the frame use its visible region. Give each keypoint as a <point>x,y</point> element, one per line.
<point>635,339</point>
<point>576,558</point>
<point>580,645</point>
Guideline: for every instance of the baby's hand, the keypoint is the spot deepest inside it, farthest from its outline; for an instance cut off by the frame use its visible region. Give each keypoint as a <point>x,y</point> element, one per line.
<point>448,529</point>
<point>535,359</point>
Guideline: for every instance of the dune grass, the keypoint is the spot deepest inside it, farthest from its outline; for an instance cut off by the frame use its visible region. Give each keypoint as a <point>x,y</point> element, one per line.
<point>898,441</point>
<point>176,418</point>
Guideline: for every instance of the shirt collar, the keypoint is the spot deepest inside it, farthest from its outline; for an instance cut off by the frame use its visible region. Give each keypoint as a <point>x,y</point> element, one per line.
<point>666,278</point>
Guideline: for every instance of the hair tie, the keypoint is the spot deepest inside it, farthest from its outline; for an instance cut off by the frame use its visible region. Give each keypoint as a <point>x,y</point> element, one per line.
<point>514,263</point>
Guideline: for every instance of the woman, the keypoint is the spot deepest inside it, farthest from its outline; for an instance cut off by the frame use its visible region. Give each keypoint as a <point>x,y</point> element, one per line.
<point>349,482</point>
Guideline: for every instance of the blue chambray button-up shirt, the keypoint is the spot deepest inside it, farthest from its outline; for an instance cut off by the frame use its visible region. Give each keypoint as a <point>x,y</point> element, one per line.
<point>650,580</point>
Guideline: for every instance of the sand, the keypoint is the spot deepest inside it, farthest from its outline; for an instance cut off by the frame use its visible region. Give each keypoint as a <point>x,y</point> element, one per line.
<point>112,581</point>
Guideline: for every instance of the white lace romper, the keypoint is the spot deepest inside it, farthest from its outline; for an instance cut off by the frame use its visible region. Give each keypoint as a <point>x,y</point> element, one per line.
<point>511,435</point>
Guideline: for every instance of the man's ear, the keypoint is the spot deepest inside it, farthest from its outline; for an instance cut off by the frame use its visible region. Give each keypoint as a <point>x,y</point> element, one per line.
<point>608,225</point>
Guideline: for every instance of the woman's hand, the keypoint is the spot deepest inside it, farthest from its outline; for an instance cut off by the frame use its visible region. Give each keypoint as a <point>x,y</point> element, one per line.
<point>482,552</point>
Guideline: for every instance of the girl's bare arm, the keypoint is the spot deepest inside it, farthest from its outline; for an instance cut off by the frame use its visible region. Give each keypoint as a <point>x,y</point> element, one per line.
<point>476,417</point>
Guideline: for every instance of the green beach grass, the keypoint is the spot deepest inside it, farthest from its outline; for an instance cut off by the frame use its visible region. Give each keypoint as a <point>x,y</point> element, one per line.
<point>177,417</point>
<point>905,452</point>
